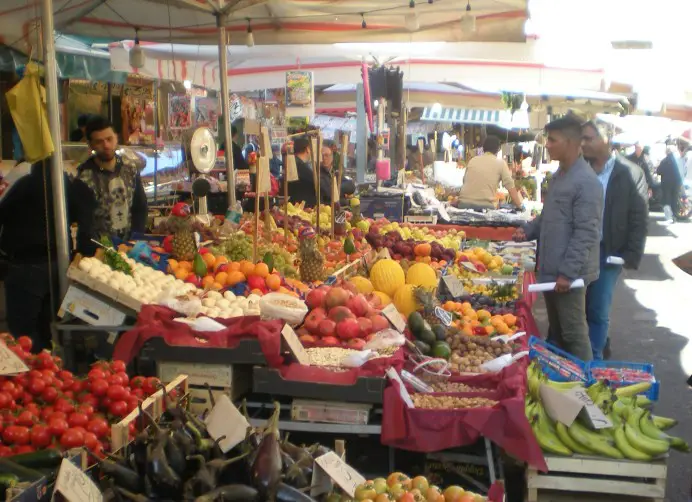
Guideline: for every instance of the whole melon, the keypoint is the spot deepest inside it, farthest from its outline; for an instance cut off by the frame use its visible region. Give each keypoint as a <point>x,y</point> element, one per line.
<point>387,276</point>
<point>384,298</point>
<point>362,284</point>
<point>423,275</point>
<point>404,300</point>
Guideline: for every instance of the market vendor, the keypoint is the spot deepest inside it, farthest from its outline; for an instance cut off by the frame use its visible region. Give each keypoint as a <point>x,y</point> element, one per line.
<point>121,204</point>
<point>303,189</point>
<point>326,168</point>
<point>483,176</point>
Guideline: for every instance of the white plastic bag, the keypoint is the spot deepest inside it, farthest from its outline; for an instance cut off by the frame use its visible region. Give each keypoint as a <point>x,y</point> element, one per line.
<point>357,359</point>
<point>202,324</point>
<point>188,305</point>
<point>385,339</point>
<point>285,307</point>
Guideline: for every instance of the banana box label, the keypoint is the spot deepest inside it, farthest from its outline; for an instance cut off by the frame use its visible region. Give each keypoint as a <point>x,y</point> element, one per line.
<point>566,406</point>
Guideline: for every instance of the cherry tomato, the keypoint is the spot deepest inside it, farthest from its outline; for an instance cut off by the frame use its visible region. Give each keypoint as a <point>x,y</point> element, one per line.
<point>16,434</point>
<point>58,426</point>
<point>6,451</point>
<point>57,414</point>
<point>36,386</point>
<point>89,399</point>
<point>68,395</point>
<point>46,412</point>
<point>137,382</point>
<point>113,380</point>
<point>33,408</point>
<point>19,352</point>
<point>77,386</point>
<point>9,387</point>
<point>25,448</point>
<point>91,441</point>
<point>78,419</point>
<point>65,375</point>
<point>98,450</point>
<point>44,360</point>
<point>99,387</point>
<point>26,419</point>
<point>96,374</point>
<point>99,427</point>
<point>132,403</point>
<point>49,394</point>
<point>151,385</point>
<point>105,402</point>
<point>72,438</point>
<point>64,405</point>
<point>86,408</point>
<point>34,374</point>
<point>5,400</point>
<point>118,408</point>
<point>118,366</point>
<point>138,393</point>
<point>25,343</point>
<point>26,398</point>
<point>40,436</point>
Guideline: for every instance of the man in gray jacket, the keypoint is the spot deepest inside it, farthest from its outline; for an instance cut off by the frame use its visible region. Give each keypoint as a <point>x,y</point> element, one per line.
<point>568,232</point>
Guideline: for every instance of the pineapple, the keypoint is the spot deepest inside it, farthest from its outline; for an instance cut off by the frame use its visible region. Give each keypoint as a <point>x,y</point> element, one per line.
<point>427,302</point>
<point>311,260</point>
<point>184,244</point>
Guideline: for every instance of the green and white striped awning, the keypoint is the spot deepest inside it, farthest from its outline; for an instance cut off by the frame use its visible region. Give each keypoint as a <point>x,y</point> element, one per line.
<point>463,115</point>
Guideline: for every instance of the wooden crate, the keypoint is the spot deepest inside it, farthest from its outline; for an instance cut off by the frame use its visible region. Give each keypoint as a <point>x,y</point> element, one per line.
<point>599,476</point>
<point>81,277</point>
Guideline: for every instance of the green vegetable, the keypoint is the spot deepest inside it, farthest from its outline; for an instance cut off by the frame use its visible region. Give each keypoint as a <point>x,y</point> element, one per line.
<point>24,473</point>
<point>416,323</point>
<point>48,458</point>
<point>441,350</point>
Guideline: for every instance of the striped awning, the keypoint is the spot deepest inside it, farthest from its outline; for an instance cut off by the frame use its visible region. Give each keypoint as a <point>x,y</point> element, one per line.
<point>463,115</point>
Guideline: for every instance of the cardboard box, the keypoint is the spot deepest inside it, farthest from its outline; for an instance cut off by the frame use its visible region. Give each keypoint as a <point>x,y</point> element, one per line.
<point>82,304</point>
<point>232,380</point>
<point>390,207</point>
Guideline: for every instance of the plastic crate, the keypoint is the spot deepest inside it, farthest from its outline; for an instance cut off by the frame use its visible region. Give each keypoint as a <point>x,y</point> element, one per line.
<point>556,363</point>
<point>645,368</point>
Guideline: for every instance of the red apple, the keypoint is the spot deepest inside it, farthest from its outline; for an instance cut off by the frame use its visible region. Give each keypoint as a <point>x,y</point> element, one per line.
<point>327,327</point>
<point>340,313</point>
<point>221,268</point>
<point>330,340</point>
<point>350,287</point>
<point>359,306</point>
<point>335,298</point>
<point>374,301</point>
<point>302,331</point>
<point>313,320</point>
<point>365,326</point>
<point>356,343</point>
<point>348,328</point>
<point>193,279</point>
<point>307,339</point>
<point>463,257</point>
<point>369,337</point>
<point>379,322</point>
<point>316,297</point>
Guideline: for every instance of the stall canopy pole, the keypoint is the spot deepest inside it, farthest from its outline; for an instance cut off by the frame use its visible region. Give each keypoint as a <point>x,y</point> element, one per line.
<point>226,108</point>
<point>59,206</point>
<point>361,135</point>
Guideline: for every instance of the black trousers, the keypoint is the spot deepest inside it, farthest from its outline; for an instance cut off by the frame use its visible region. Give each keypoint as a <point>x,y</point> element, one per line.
<point>28,302</point>
<point>670,196</point>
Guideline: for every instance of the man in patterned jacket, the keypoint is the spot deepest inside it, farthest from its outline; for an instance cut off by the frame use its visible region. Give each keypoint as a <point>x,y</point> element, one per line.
<point>121,204</point>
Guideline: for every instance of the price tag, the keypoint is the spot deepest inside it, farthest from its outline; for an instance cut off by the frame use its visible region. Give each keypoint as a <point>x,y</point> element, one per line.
<point>453,285</point>
<point>343,474</point>
<point>294,345</point>
<point>593,412</point>
<point>225,419</point>
<point>393,316</point>
<point>10,364</point>
<point>340,217</point>
<point>444,316</point>
<point>470,266</point>
<point>74,485</point>
<point>403,392</point>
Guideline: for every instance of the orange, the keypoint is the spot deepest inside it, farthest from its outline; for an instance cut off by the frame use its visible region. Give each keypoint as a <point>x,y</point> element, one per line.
<point>261,269</point>
<point>257,292</point>
<point>209,259</point>
<point>216,285</point>
<point>221,277</point>
<point>234,266</point>
<point>207,281</point>
<point>510,319</point>
<point>273,282</point>
<point>185,265</point>
<point>181,274</point>
<point>489,330</point>
<point>219,261</point>
<point>234,277</point>
<point>173,264</point>
<point>247,268</point>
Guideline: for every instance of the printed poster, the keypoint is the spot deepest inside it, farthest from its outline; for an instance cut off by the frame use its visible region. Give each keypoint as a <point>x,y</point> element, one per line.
<point>300,94</point>
<point>207,111</point>
<point>179,111</point>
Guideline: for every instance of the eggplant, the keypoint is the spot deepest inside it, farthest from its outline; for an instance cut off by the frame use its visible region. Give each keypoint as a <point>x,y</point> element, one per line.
<point>202,482</point>
<point>298,476</point>
<point>165,480</point>
<point>296,452</point>
<point>286,493</point>
<point>231,493</point>
<point>318,450</point>
<point>132,497</point>
<point>176,457</point>
<point>123,476</point>
<point>266,468</point>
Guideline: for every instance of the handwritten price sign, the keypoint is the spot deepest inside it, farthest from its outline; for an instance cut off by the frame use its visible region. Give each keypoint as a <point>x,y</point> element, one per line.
<point>74,485</point>
<point>343,474</point>
<point>10,364</point>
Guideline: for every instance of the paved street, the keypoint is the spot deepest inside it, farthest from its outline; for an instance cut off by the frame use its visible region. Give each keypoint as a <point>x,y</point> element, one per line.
<point>650,323</point>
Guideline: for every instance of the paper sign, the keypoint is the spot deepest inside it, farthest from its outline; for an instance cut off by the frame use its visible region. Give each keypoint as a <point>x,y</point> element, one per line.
<point>444,316</point>
<point>550,286</point>
<point>343,474</point>
<point>615,260</point>
<point>75,485</point>
<point>295,346</point>
<point>509,338</point>
<point>393,316</point>
<point>453,285</point>
<point>393,375</point>
<point>566,406</point>
<point>224,419</point>
<point>469,265</point>
<point>415,382</point>
<point>340,217</point>
<point>10,364</point>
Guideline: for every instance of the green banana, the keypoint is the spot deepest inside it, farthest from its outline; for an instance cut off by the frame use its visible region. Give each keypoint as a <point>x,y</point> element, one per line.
<point>595,389</point>
<point>548,440</point>
<point>594,441</point>
<point>633,390</point>
<point>563,435</point>
<point>621,409</point>
<point>641,401</point>
<point>626,448</point>
<point>664,423</point>
<point>561,386</point>
<point>641,442</point>
<point>649,429</point>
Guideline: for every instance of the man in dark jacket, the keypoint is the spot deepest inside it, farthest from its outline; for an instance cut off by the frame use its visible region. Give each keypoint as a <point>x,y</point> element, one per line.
<point>303,189</point>
<point>642,159</point>
<point>625,219</point>
<point>671,171</point>
<point>568,231</point>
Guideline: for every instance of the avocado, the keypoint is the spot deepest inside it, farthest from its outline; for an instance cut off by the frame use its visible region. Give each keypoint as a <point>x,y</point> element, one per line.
<point>440,332</point>
<point>507,270</point>
<point>423,347</point>
<point>441,350</point>
<point>427,336</point>
<point>416,323</point>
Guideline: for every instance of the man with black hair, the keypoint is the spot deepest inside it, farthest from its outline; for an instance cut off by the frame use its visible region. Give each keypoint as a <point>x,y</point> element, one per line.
<point>672,171</point>
<point>568,232</point>
<point>303,189</point>
<point>625,221</point>
<point>239,161</point>
<point>483,176</point>
<point>79,134</point>
<point>121,204</point>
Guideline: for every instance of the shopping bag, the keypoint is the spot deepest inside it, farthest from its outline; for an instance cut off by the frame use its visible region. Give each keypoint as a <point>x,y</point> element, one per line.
<point>26,101</point>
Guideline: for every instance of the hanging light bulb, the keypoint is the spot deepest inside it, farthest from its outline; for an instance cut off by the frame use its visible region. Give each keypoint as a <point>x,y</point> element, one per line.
<point>468,20</point>
<point>249,38</point>
<point>412,23</point>
<point>137,57</point>
<point>412,4</point>
<point>187,84</point>
<point>363,24</point>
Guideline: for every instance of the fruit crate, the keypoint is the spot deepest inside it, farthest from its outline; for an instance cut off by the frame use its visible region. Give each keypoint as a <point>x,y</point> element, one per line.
<point>621,374</point>
<point>599,476</point>
<point>556,363</point>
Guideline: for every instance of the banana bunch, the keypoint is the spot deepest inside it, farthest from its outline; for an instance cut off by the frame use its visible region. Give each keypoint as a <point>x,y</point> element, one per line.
<point>636,434</point>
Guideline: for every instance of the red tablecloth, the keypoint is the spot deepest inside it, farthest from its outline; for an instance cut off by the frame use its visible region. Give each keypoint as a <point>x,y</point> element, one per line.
<point>504,424</point>
<point>529,298</point>
<point>525,319</point>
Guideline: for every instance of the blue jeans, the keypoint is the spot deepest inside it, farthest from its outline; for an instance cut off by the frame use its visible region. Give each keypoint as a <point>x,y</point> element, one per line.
<point>599,296</point>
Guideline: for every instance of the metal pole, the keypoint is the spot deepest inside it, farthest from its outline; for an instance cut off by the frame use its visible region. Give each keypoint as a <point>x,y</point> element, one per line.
<point>59,206</point>
<point>226,109</point>
<point>361,135</point>
<point>156,137</point>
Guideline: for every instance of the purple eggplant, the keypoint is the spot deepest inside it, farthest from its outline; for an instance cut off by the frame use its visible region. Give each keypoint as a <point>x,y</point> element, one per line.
<point>266,469</point>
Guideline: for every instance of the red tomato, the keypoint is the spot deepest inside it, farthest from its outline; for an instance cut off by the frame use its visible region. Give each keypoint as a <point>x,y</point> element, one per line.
<point>132,403</point>
<point>137,382</point>
<point>5,400</point>
<point>6,451</point>
<point>40,436</point>
<point>99,427</point>
<point>86,408</point>
<point>26,419</point>
<point>105,402</point>
<point>33,374</point>
<point>91,441</point>
<point>72,438</point>
<point>33,408</point>
<point>26,398</point>
<point>78,419</point>
<point>25,343</point>
<point>25,448</point>
<point>58,426</point>
<point>98,450</point>
<point>99,387</point>
<point>16,434</point>
<point>9,387</point>
<point>77,386</point>
<point>46,412</point>
<point>44,360</point>
<point>116,392</point>
<point>96,374</point>
<point>36,386</point>
<point>65,375</point>
<point>49,394</point>
<point>114,380</point>
<point>57,414</point>
<point>19,352</point>
<point>89,399</point>
<point>138,393</point>
<point>151,385</point>
<point>118,366</point>
<point>64,405</point>
<point>118,408</point>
